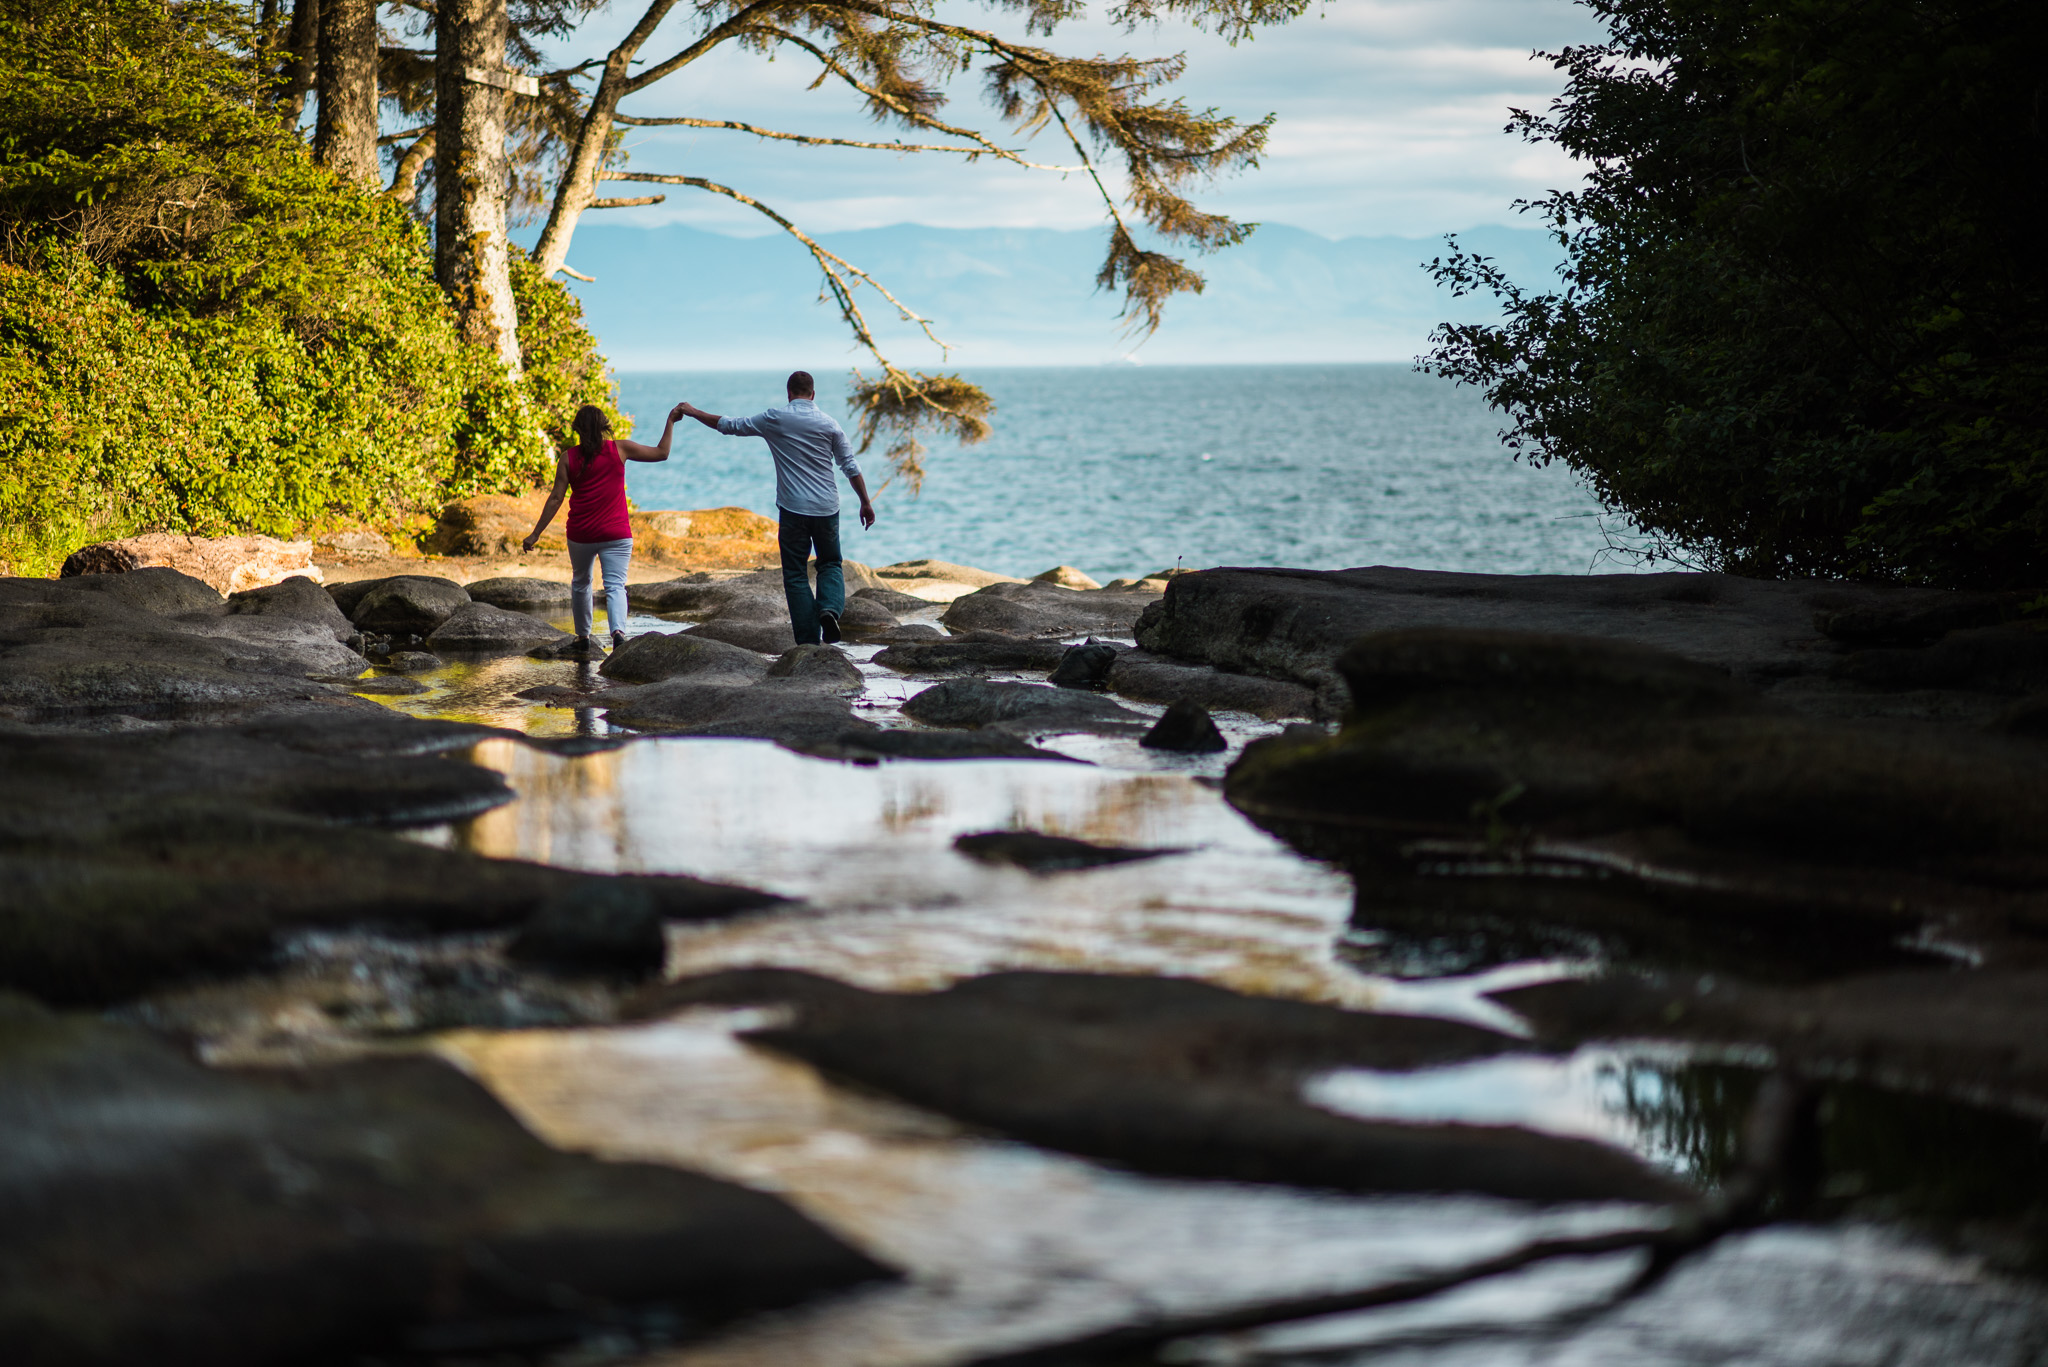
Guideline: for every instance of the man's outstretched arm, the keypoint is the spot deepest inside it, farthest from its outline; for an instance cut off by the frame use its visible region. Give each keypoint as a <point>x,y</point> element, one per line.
<point>690,410</point>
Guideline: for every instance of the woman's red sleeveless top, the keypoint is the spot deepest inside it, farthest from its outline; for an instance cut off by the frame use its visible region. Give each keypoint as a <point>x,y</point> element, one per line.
<point>597,495</point>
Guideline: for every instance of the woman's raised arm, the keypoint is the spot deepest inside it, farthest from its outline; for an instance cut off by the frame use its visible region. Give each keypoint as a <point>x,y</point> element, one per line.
<point>635,450</point>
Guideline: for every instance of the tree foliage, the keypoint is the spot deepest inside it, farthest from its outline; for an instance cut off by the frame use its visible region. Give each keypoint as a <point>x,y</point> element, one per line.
<point>1803,328</point>
<point>201,330</point>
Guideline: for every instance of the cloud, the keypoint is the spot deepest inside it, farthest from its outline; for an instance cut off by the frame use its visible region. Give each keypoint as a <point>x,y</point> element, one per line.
<point>1389,122</point>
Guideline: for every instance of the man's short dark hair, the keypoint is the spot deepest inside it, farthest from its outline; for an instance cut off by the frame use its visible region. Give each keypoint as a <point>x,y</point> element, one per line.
<point>801,385</point>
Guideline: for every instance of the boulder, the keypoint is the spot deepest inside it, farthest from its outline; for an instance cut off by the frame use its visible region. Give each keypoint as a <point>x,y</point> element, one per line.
<point>984,652</point>
<point>227,564</point>
<point>1037,609</point>
<point>1173,1077</point>
<point>866,618</point>
<point>1084,666</point>
<point>944,572</point>
<point>1066,577</point>
<point>767,637</point>
<point>298,598</point>
<point>776,709</point>
<point>479,628</point>
<point>519,595</point>
<point>980,702</point>
<point>347,595</point>
<point>165,1212</point>
<point>1145,677</point>
<point>408,605</point>
<point>159,592</point>
<point>686,594</point>
<point>715,538</point>
<point>891,601</point>
<point>656,655</point>
<point>1187,728</point>
<point>494,525</point>
<point>821,667</point>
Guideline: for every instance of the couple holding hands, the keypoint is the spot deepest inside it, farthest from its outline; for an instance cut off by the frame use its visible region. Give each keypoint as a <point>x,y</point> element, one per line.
<point>806,444</point>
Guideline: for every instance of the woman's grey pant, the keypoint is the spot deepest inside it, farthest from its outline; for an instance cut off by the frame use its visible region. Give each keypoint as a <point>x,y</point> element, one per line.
<point>614,557</point>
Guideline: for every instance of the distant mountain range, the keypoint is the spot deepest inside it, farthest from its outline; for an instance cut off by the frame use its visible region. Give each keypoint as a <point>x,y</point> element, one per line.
<point>680,298</point>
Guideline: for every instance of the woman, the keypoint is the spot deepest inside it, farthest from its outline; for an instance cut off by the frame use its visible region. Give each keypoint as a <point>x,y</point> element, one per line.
<point>593,475</point>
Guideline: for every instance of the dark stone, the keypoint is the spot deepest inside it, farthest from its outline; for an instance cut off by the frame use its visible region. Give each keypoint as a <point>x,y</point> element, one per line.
<point>410,661</point>
<point>765,637</point>
<point>971,656</point>
<point>911,634</point>
<point>1916,620</point>
<point>890,601</point>
<point>479,628</point>
<point>377,685</point>
<point>519,595</point>
<point>408,604</point>
<point>776,709</point>
<point>880,744</point>
<point>347,596</point>
<point>158,590</point>
<point>1047,853</point>
<point>1084,666</point>
<point>298,598</point>
<point>1041,609</point>
<point>1173,1077</point>
<point>980,702</point>
<point>1145,677</point>
<point>2004,659</point>
<point>820,667</point>
<point>866,618</point>
<point>607,928</point>
<point>656,655</point>
<point>1188,728</point>
<point>152,1210</point>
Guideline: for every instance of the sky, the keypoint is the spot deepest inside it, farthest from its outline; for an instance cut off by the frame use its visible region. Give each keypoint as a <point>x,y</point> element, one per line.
<point>1389,122</point>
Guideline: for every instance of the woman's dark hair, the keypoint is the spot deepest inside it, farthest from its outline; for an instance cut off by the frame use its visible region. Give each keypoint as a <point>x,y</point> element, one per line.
<point>590,426</point>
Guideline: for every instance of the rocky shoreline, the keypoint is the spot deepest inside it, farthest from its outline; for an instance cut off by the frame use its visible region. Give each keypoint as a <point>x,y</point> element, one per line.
<point>1795,822</point>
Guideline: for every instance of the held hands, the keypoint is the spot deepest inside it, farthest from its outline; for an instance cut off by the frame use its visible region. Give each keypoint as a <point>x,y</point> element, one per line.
<point>679,412</point>
<point>867,513</point>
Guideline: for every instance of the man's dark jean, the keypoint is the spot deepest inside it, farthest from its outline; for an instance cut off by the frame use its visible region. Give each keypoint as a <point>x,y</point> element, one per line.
<point>797,536</point>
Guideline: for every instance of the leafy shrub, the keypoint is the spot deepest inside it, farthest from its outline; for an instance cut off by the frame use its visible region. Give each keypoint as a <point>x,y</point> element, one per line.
<point>1804,329</point>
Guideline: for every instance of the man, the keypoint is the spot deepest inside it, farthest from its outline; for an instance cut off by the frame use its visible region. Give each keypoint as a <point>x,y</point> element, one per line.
<point>806,444</point>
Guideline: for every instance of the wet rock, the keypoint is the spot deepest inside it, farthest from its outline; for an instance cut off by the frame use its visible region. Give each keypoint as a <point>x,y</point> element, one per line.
<point>227,564</point>
<point>889,600</point>
<point>297,598</point>
<point>369,732</point>
<point>410,661</point>
<point>1145,677</point>
<point>1084,666</point>
<point>1293,624</point>
<point>764,637</point>
<point>866,618</point>
<point>381,685</point>
<point>276,644</point>
<point>910,634</point>
<point>479,628</point>
<point>1066,577</point>
<point>155,592</point>
<point>1038,609</point>
<point>152,667</point>
<point>775,709</point>
<point>985,651</point>
<point>1172,1077</point>
<point>656,655</point>
<point>408,604</point>
<point>569,648</point>
<point>1635,762</point>
<point>980,702</point>
<point>608,928</point>
<point>1188,728</point>
<point>820,667</point>
<point>1041,853</point>
<point>157,1211</point>
<point>520,595</point>
<point>556,695</point>
<point>880,744</point>
<point>944,572</point>
<point>694,593</point>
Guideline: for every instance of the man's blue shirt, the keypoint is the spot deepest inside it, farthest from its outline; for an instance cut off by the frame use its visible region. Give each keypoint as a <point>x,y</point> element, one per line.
<point>806,444</point>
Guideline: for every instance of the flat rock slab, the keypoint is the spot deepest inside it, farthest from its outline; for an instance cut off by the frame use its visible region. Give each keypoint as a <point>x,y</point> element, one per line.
<point>1145,677</point>
<point>945,572</point>
<point>875,744</point>
<point>1041,853</point>
<point>155,1211</point>
<point>479,628</point>
<point>943,656</point>
<point>519,594</point>
<point>775,709</point>
<point>1786,637</point>
<point>1172,1077</point>
<point>767,637</point>
<point>1042,609</point>
<point>981,702</point>
<point>657,655</point>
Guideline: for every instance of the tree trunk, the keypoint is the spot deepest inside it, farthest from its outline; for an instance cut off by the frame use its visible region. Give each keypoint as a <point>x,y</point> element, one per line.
<point>578,186</point>
<point>471,177</point>
<point>304,43</point>
<point>345,134</point>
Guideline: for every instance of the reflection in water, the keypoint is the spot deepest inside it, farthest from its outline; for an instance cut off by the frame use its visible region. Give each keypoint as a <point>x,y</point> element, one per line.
<point>892,905</point>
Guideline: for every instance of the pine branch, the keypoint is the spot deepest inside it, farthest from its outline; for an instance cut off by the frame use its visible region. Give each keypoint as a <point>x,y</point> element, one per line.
<point>971,153</point>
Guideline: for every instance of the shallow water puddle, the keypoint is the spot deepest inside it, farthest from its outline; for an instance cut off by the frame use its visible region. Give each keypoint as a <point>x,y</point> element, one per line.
<point>1004,1245</point>
<point>891,905</point>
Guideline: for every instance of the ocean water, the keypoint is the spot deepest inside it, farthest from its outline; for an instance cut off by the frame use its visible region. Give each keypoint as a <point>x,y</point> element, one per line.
<point>1128,470</point>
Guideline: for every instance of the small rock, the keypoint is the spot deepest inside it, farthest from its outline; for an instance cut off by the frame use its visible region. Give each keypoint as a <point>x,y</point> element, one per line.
<point>1186,727</point>
<point>958,656</point>
<point>607,928</point>
<point>818,666</point>
<point>408,603</point>
<point>1042,853</point>
<point>874,745</point>
<point>980,702</point>
<point>1067,577</point>
<point>866,618</point>
<point>410,661</point>
<point>1084,666</point>
<point>568,648</point>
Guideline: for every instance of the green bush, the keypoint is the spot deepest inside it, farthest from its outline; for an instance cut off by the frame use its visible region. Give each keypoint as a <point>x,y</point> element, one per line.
<point>1804,329</point>
<point>202,331</point>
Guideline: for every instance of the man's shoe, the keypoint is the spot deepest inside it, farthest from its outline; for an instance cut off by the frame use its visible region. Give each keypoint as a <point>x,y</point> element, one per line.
<point>618,641</point>
<point>828,626</point>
